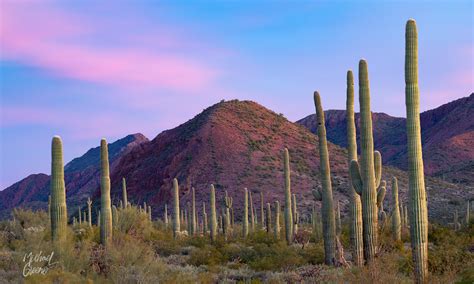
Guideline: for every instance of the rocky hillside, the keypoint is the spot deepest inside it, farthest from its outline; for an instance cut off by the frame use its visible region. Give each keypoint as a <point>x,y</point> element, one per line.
<point>81,177</point>
<point>447,135</point>
<point>234,144</point>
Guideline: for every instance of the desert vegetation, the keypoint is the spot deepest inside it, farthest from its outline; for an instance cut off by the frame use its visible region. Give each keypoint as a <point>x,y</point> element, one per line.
<point>269,241</point>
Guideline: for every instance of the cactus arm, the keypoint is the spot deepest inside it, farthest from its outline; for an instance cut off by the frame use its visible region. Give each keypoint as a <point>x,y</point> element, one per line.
<point>381,194</point>
<point>377,168</point>
<point>317,194</point>
<point>355,177</point>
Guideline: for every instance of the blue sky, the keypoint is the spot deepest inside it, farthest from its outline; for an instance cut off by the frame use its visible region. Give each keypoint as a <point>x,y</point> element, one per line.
<point>86,70</point>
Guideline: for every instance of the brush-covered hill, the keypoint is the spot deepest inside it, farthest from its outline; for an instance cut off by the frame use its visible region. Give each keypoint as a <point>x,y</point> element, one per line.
<point>236,144</point>
<point>447,137</point>
<point>81,177</point>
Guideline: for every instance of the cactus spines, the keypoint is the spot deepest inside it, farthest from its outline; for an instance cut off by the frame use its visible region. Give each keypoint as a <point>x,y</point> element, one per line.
<point>89,211</point>
<point>338,220</point>
<point>295,215</point>
<point>370,168</point>
<point>269,218</point>
<point>252,215</point>
<point>355,203</point>
<point>276,228</point>
<point>245,221</point>
<point>327,209</point>
<point>165,216</point>
<point>213,214</point>
<point>176,217</point>
<point>58,192</point>
<point>416,183</point>
<point>124,193</point>
<point>193,215</point>
<point>396,224</point>
<point>288,207</point>
<point>105,205</point>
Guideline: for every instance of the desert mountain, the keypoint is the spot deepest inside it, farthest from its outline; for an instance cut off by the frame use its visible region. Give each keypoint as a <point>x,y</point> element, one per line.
<point>447,135</point>
<point>237,144</point>
<point>81,177</point>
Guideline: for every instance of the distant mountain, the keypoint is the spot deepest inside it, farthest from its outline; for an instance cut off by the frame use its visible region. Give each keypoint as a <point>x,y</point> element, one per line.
<point>447,137</point>
<point>234,144</point>
<point>81,177</point>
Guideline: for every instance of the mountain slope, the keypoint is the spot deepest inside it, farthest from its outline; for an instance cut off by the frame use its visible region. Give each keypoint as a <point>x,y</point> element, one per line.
<point>81,176</point>
<point>447,135</point>
<point>238,144</point>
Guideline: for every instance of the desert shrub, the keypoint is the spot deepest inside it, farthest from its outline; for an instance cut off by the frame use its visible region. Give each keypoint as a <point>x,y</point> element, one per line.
<point>208,255</point>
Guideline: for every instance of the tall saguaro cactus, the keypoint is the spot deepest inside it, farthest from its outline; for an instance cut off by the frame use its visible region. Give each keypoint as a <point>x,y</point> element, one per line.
<point>105,204</point>
<point>269,218</point>
<point>370,168</point>
<point>252,215</point>
<point>262,211</point>
<point>288,207</point>
<point>213,214</point>
<point>89,211</point>
<point>276,228</point>
<point>124,193</point>
<point>396,226</point>
<point>416,182</point>
<point>355,204</point>
<point>176,217</point>
<point>325,196</point>
<point>228,205</point>
<point>193,215</point>
<point>58,192</point>
<point>204,219</point>
<point>245,220</point>
<point>295,216</point>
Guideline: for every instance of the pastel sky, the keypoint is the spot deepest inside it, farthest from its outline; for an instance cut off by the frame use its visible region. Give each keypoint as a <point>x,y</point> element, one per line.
<point>91,69</point>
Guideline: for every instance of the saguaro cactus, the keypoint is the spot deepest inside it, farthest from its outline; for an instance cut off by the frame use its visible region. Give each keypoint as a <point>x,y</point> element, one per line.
<point>245,221</point>
<point>371,168</point>
<point>325,196</point>
<point>276,228</point>
<point>269,218</point>
<point>204,219</point>
<point>176,217</point>
<point>396,226</point>
<point>416,182</point>
<point>58,192</point>
<point>114,216</point>
<point>380,198</point>
<point>227,204</point>
<point>468,212</point>
<point>252,215</point>
<point>457,224</point>
<point>355,204</point>
<point>79,214</point>
<point>150,217</point>
<point>262,211</point>
<point>193,215</point>
<point>124,193</point>
<point>165,216</point>
<point>338,220</point>
<point>89,211</point>
<point>296,216</point>
<point>288,207</point>
<point>213,214</point>
<point>105,205</point>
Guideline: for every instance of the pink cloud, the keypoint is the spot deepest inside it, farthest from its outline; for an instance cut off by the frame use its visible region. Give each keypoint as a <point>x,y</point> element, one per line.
<point>57,41</point>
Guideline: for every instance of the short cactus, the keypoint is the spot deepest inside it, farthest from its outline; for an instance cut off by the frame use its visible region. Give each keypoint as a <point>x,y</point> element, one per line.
<point>105,205</point>
<point>165,216</point>
<point>325,196</point>
<point>262,211</point>
<point>416,180</point>
<point>456,223</point>
<point>79,215</point>
<point>124,193</point>
<point>396,226</point>
<point>288,207</point>
<point>228,205</point>
<point>58,192</point>
<point>150,217</point>
<point>176,217</point>
<point>204,218</point>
